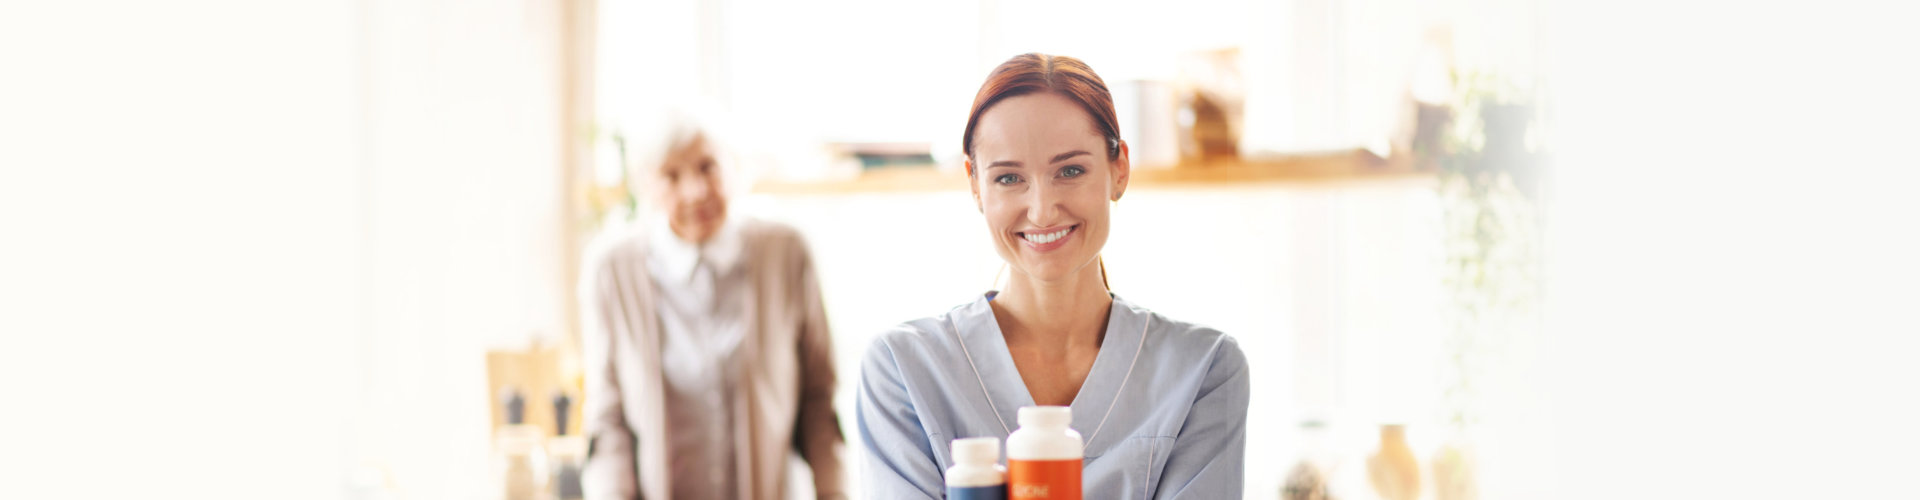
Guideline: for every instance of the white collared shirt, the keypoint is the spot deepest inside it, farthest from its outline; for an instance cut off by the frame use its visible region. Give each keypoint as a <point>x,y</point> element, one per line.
<point>701,291</point>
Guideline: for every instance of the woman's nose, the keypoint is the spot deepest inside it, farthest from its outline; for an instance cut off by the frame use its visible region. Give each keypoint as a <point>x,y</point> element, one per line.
<point>1043,208</point>
<point>696,187</point>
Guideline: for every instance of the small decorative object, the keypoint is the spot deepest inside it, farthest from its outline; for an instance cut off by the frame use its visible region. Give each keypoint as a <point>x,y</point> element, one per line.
<point>1212,110</point>
<point>519,457</point>
<point>1394,472</point>
<point>1312,478</point>
<point>1453,473</point>
<point>1305,482</point>
<point>884,155</point>
<point>567,451</point>
<point>1152,129</point>
<point>1213,136</point>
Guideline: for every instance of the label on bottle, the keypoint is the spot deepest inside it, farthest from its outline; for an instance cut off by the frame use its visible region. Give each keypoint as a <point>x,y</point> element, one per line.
<point>995,492</point>
<point>1043,479</point>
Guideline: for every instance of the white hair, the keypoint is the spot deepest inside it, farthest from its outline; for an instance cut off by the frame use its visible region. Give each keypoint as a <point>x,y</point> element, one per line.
<point>655,135</point>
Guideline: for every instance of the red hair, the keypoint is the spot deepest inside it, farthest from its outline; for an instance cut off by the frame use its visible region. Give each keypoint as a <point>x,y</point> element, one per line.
<point>1032,72</point>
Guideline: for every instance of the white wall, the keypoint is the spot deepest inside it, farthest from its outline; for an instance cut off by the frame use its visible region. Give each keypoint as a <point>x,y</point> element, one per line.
<point>1733,251</point>
<point>256,250</point>
<point>464,231</point>
<point>180,276</point>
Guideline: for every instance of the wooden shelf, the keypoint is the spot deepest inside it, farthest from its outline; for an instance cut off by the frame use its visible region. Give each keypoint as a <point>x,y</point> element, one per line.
<point>890,179</point>
<point>1320,167</point>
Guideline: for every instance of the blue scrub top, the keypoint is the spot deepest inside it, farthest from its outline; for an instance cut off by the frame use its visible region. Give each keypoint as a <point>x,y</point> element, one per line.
<point>1163,410</point>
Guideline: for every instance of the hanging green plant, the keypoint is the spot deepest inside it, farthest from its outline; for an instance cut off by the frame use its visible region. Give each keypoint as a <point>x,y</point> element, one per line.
<point>1489,171</point>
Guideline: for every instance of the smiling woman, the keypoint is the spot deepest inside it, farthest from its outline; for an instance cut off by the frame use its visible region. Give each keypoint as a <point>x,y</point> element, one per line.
<point>1045,88</point>
<point>1038,199</point>
<point>1162,403</point>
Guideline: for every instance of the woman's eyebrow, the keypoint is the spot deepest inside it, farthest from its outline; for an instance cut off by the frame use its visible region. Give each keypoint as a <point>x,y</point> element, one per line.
<point>1056,159</point>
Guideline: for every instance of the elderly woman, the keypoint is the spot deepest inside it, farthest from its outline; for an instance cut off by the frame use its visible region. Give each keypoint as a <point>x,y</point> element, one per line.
<point>706,345</point>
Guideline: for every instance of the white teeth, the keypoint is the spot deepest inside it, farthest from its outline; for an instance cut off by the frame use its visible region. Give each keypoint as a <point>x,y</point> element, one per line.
<point>1043,239</point>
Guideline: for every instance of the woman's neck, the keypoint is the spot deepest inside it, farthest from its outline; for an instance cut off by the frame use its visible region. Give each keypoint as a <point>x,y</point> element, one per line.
<point>1069,313</point>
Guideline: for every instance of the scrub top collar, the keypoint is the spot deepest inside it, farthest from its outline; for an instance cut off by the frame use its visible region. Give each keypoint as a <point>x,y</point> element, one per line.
<point>980,336</point>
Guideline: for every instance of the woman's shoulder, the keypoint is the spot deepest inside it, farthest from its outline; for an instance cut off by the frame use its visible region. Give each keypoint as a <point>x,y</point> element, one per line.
<point>929,339</point>
<point>924,334</point>
<point>763,233</point>
<point>614,246</point>
<point>770,242</point>
<point>1188,339</point>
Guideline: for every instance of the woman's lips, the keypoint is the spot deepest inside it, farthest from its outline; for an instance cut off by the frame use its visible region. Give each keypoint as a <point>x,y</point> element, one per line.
<point>1047,239</point>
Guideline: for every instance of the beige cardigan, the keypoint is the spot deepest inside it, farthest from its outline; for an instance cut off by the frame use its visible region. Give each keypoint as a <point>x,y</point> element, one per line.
<point>785,402</point>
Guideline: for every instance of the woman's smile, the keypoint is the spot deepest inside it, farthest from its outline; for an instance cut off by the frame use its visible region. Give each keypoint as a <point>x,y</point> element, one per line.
<point>1046,239</point>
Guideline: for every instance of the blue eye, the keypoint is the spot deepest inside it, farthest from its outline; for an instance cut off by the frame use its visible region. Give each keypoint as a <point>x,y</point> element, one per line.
<point>1007,179</point>
<point>1072,171</point>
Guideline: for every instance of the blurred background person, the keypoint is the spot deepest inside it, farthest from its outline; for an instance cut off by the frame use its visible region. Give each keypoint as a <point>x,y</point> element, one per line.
<point>707,355</point>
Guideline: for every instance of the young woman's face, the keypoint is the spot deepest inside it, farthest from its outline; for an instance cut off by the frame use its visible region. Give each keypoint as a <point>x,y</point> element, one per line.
<point>687,188</point>
<point>1042,177</point>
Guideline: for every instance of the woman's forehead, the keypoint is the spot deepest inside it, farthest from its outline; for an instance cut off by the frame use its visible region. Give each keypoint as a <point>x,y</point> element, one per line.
<point>687,153</point>
<point>1033,124</point>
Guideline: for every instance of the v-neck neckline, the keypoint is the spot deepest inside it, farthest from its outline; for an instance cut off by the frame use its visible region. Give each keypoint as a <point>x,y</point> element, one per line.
<point>1007,389</point>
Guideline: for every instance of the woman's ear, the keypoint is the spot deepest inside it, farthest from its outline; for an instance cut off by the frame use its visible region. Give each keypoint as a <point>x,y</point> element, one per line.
<point>973,185</point>
<point>1122,172</point>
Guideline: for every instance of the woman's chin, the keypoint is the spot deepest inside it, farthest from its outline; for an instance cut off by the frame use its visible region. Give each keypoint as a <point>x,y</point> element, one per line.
<point>1049,272</point>
<point>693,232</point>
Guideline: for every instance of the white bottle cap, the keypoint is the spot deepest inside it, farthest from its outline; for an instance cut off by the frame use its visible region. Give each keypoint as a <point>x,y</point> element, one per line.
<point>980,450</point>
<point>1046,416</point>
